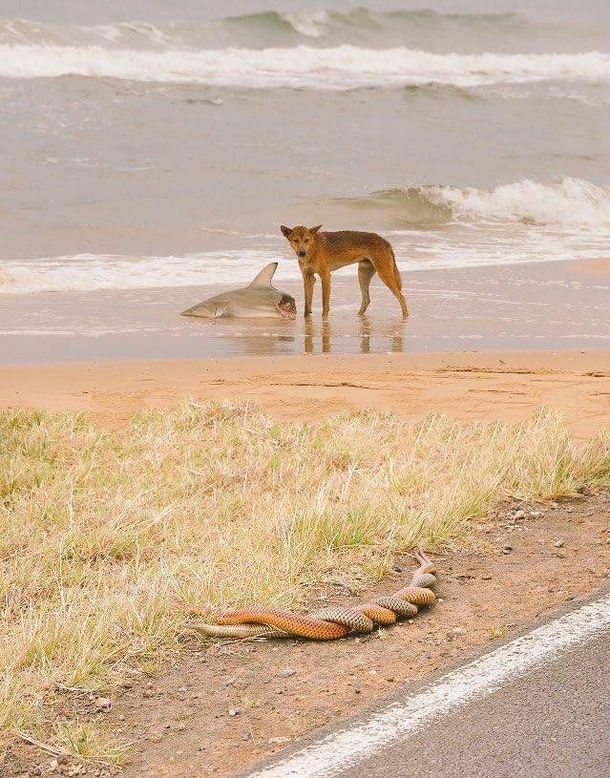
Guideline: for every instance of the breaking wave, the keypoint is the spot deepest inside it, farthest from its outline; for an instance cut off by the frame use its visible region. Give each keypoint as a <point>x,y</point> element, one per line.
<point>339,68</point>
<point>272,26</point>
<point>434,227</point>
<point>25,32</point>
<point>572,203</point>
<point>318,24</point>
<point>314,24</point>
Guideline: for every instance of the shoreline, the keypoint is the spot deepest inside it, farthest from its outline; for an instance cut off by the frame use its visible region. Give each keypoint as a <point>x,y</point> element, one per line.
<point>486,386</point>
<point>546,306</point>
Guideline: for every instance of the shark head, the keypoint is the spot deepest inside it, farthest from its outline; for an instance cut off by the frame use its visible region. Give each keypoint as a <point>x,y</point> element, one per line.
<point>284,304</point>
<point>287,307</point>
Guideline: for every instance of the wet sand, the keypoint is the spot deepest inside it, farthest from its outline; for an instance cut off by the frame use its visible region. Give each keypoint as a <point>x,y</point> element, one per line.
<point>483,386</point>
<point>553,305</point>
<point>483,343</point>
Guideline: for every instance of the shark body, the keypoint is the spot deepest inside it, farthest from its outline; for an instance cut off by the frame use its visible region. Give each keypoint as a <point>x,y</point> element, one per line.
<point>257,300</point>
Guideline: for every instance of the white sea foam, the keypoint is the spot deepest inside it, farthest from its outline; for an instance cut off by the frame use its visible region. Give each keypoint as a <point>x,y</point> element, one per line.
<point>339,68</point>
<point>524,221</point>
<point>571,203</point>
<point>415,250</point>
<point>92,272</point>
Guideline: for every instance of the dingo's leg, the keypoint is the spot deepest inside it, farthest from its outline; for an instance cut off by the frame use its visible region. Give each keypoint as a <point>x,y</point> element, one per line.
<point>366,271</point>
<point>388,272</point>
<point>308,282</point>
<point>325,294</point>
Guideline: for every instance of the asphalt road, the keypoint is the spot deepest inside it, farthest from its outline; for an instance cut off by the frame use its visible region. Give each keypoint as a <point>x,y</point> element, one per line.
<point>552,723</point>
<point>536,706</point>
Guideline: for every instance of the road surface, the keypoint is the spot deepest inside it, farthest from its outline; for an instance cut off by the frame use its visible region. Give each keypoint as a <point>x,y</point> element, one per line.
<point>538,705</point>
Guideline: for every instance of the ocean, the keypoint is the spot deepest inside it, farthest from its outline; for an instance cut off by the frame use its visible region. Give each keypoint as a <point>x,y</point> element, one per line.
<point>157,145</point>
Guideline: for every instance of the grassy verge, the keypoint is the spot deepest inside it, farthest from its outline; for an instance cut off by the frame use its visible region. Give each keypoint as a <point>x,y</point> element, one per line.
<point>222,505</point>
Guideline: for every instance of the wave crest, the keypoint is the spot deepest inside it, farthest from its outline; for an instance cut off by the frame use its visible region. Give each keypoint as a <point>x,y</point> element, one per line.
<point>571,203</point>
<point>357,25</point>
<point>318,24</point>
<point>24,32</point>
<point>313,24</point>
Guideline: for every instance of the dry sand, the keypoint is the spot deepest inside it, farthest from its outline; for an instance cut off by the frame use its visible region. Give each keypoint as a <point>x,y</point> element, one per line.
<point>473,385</point>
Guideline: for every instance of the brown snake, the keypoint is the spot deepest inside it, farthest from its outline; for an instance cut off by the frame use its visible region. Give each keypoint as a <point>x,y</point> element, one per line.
<point>331,622</point>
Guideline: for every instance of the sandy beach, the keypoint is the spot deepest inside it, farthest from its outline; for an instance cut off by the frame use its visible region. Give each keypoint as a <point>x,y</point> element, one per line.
<point>481,343</point>
<point>485,385</point>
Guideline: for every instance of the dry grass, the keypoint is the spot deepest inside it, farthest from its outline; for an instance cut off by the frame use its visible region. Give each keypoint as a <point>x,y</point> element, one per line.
<point>222,505</point>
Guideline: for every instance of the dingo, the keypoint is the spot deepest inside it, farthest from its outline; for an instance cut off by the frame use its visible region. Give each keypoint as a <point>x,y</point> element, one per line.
<point>323,252</point>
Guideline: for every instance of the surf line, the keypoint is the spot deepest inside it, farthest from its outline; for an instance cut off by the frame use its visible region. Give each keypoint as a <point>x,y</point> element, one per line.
<point>476,680</point>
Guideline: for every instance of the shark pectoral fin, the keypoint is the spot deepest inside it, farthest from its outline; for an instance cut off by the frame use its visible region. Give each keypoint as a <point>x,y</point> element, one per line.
<point>264,277</point>
<point>222,312</point>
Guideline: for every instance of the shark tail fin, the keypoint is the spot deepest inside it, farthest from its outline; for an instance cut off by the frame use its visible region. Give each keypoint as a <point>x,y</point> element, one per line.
<point>265,276</point>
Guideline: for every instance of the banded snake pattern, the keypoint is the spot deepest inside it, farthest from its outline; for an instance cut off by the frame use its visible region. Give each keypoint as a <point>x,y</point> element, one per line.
<point>329,623</point>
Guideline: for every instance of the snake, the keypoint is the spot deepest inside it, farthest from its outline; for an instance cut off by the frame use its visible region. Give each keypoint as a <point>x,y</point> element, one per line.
<point>329,623</point>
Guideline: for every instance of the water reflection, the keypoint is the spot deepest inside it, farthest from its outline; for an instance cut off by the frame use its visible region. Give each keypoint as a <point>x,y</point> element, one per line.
<point>242,337</point>
<point>342,333</point>
<point>364,336</point>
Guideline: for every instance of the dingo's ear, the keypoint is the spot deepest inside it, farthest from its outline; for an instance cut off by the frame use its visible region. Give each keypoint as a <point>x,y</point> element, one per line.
<point>313,230</point>
<point>286,230</point>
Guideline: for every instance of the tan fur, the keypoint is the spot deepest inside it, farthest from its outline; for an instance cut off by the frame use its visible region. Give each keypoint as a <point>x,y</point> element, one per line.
<point>319,253</point>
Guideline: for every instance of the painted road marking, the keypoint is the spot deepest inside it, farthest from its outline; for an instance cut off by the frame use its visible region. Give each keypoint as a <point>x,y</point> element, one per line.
<point>474,681</point>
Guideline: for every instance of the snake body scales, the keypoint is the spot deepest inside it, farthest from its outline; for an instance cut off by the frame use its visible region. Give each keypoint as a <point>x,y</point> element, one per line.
<point>328,623</point>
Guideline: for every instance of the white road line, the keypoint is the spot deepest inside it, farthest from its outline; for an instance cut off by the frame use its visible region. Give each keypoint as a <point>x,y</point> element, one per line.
<point>474,681</point>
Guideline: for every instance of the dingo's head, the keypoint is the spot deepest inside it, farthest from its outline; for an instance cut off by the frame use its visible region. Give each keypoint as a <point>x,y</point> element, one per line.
<point>301,238</point>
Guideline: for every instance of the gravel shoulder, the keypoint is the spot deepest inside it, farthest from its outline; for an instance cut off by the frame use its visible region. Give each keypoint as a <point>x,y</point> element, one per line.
<point>217,707</point>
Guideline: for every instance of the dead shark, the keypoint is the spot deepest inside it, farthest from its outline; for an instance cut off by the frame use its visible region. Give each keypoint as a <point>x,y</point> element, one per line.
<point>257,300</point>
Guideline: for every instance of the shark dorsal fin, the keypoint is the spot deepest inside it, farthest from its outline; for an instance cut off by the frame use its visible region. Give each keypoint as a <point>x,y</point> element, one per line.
<point>265,276</point>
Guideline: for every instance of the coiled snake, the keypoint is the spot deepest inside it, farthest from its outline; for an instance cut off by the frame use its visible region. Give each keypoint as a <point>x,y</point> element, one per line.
<point>329,623</point>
